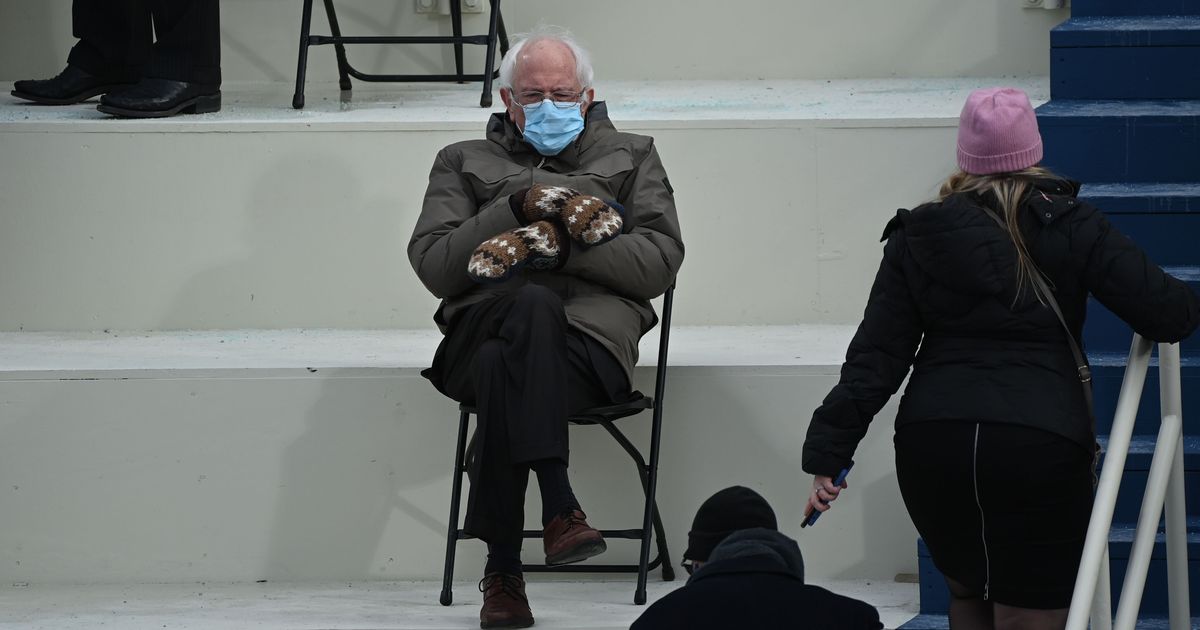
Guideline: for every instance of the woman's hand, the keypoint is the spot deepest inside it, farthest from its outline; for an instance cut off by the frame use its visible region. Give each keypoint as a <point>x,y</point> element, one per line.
<point>823,491</point>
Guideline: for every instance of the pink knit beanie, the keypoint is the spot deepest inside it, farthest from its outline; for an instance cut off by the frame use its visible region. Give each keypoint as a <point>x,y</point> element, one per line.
<point>998,132</point>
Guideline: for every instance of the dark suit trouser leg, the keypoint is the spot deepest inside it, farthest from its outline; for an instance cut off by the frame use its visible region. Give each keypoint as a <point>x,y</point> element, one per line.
<point>187,44</point>
<point>114,38</point>
<point>526,371</point>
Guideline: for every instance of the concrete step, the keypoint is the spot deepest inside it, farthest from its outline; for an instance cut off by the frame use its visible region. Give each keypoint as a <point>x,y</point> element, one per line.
<point>1156,57</point>
<point>236,456</point>
<point>1120,198</point>
<point>1091,8</point>
<point>1104,332</point>
<point>261,216</point>
<point>935,598</point>
<point>1108,370</point>
<point>591,602</point>
<point>1141,141</point>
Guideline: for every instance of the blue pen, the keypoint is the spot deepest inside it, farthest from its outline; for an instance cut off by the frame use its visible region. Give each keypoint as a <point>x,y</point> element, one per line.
<point>814,514</point>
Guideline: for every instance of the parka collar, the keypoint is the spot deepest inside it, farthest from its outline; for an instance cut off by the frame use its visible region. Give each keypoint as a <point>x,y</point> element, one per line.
<point>504,132</point>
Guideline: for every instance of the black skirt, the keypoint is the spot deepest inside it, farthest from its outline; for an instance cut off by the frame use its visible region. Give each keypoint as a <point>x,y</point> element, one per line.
<point>1003,508</point>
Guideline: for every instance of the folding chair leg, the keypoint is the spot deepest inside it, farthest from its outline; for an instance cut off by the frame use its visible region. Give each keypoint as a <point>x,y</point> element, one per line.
<point>503,31</point>
<point>336,31</point>
<point>668,569</point>
<point>639,596</point>
<point>489,63</point>
<point>302,57</point>
<point>455,498</point>
<point>456,21</point>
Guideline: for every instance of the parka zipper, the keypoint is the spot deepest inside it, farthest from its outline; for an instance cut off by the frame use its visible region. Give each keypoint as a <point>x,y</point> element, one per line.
<point>987,563</point>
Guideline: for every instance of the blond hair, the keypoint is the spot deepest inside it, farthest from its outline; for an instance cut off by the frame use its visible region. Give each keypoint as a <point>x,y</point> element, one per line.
<point>1009,191</point>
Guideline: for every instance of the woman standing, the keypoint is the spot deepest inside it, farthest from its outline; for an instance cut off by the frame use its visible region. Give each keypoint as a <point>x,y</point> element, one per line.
<point>994,436</point>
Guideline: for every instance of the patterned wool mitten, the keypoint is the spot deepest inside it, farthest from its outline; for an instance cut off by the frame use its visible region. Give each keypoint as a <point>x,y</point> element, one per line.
<point>499,257</point>
<point>589,220</point>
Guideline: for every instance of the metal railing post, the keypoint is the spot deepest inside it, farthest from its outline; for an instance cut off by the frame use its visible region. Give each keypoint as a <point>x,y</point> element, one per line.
<point>1164,488</point>
<point>1169,435</point>
<point>1171,399</point>
<point>1102,610</point>
<point>1096,543</point>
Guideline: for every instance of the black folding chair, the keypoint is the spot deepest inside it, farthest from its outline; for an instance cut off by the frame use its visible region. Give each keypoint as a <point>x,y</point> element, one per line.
<point>496,34</point>
<point>605,417</point>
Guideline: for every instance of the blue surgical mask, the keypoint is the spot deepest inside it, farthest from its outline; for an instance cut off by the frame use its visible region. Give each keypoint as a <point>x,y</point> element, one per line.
<point>550,128</point>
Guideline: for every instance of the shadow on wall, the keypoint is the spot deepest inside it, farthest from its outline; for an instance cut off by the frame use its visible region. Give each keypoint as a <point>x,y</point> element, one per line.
<point>352,475</point>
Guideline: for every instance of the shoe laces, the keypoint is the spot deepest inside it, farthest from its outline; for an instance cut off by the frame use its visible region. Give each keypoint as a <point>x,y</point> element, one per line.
<point>573,518</point>
<point>510,585</point>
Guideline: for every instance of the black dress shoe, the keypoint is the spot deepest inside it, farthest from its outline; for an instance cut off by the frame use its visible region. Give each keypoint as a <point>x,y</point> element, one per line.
<point>159,98</point>
<point>71,86</point>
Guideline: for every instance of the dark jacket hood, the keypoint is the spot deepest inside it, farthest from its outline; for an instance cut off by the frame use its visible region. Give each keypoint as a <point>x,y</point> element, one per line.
<point>961,247</point>
<point>757,550</point>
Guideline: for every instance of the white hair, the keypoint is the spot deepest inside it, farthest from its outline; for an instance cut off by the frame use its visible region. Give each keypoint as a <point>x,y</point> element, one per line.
<point>583,60</point>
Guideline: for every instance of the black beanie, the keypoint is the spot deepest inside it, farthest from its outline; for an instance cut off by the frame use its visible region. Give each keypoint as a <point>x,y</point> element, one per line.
<point>724,513</point>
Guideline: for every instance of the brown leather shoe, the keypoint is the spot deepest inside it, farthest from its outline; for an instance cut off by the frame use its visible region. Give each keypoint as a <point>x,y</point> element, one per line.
<point>504,602</point>
<point>568,538</point>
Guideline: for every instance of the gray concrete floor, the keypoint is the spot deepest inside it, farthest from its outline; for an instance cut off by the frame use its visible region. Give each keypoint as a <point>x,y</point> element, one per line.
<point>358,605</point>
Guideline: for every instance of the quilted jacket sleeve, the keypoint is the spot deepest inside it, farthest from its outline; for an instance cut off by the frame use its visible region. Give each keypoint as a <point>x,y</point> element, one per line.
<point>1121,276</point>
<point>877,361</point>
<point>452,224</point>
<point>642,262</point>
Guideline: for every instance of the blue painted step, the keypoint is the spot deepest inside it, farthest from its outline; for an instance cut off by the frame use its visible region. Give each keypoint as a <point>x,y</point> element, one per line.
<point>1086,8</point>
<point>1155,57</point>
<point>1139,31</point>
<point>1107,372</point>
<point>1142,141</point>
<point>1148,198</point>
<point>1170,239</point>
<point>1105,333</point>
<point>1137,472</point>
<point>935,598</point>
<point>942,622</point>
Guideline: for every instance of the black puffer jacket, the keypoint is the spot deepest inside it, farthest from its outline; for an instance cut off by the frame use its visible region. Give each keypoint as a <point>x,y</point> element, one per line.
<point>947,284</point>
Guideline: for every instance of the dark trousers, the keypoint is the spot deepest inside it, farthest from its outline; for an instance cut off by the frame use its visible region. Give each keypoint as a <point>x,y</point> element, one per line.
<point>515,358</point>
<point>116,39</point>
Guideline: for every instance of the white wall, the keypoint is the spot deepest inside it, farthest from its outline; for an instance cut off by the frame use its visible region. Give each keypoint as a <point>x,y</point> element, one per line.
<point>308,230</point>
<point>631,39</point>
<point>345,475</point>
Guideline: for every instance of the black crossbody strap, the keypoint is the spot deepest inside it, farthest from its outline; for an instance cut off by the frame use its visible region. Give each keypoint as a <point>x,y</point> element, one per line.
<point>1047,295</point>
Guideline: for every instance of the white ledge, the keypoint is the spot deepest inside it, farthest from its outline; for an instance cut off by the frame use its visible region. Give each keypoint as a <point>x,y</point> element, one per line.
<point>312,350</point>
<point>633,105</point>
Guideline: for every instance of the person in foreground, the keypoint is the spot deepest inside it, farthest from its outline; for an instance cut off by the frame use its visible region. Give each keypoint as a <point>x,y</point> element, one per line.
<point>545,242</point>
<point>995,441</point>
<point>746,574</point>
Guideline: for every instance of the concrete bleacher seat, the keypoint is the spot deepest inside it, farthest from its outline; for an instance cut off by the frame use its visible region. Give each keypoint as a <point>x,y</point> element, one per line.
<point>256,411</point>
<point>288,435</point>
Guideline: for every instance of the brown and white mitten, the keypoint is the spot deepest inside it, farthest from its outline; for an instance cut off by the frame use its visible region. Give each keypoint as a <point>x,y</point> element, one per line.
<point>498,258</point>
<point>587,219</point>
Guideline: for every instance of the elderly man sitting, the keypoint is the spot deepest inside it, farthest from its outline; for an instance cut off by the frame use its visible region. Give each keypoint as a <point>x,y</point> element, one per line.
<point>545,242</point>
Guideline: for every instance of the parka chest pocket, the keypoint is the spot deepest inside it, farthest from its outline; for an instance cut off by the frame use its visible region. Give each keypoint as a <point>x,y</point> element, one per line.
<point>492,178</point>
<point>603,177</point>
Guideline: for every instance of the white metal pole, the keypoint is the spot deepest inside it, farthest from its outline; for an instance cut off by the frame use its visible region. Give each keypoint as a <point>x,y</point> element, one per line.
<point>1169,435</point>
<point>1102,612</point>
<point>1110,480</point>
<point>1171,393</point>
